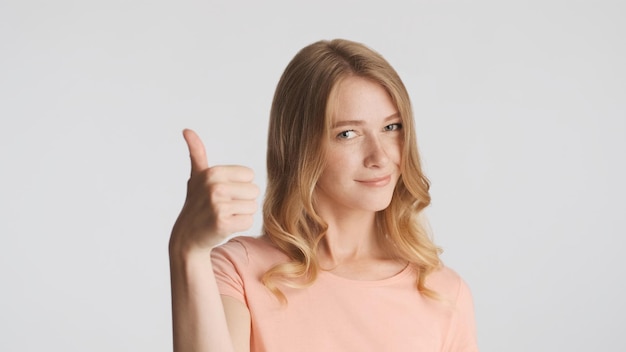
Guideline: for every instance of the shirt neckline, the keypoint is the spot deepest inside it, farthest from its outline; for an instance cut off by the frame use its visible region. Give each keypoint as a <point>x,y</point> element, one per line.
<point>401,275</point>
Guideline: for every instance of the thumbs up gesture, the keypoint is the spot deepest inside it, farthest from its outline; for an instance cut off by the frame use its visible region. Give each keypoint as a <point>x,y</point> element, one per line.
<point>221,200</point>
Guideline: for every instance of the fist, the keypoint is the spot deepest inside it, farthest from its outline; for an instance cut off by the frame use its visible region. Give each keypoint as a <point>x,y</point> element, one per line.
<point>221,200</point>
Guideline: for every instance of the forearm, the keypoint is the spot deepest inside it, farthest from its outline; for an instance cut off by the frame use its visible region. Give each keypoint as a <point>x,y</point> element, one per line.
<point>221,201</point>
<point>199,322</point>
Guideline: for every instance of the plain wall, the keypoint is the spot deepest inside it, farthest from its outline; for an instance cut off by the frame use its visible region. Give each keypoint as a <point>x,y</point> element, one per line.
<point>521,117</point>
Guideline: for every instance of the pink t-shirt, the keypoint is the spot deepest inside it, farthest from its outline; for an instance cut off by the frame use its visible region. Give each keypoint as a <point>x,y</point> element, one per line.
<point>339,314</point>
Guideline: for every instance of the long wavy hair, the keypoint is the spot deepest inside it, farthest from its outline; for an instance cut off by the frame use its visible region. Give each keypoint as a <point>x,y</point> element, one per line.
<point>299,122</point>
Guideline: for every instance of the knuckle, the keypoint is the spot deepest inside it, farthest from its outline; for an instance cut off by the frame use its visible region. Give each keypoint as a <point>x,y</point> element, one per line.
<point>221,223</point>
<point>213,172</point>
<point>219,189</point>
<point>221,213</point>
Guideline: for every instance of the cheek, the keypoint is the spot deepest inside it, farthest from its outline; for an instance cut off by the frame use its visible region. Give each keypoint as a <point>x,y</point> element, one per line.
<point>339,158</point>
<point>335,166</point>
<point>399,149</point>
<point>394,150</point>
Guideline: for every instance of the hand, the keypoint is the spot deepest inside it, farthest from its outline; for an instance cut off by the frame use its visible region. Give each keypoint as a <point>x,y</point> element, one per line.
<point>221,200</point>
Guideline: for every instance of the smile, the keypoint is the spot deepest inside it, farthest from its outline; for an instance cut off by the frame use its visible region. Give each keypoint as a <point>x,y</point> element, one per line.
<point>376,182</point>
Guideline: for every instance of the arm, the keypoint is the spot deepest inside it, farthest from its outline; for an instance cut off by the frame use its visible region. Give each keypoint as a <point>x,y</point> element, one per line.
<point>220,201</point>
<point>238,318</point>
<point>198,317</point>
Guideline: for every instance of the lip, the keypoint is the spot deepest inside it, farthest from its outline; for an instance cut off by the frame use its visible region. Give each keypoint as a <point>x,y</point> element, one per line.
<point>376,182</point>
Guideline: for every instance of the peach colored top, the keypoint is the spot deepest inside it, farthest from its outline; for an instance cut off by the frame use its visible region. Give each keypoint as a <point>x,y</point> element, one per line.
<point>338,314</point>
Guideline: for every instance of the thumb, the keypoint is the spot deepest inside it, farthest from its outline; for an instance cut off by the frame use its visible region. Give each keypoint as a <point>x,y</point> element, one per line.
<point>197,153</point>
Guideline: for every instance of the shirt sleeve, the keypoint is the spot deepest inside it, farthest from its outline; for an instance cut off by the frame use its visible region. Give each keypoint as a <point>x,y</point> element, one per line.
<point>228,261</point>
<point>462,334</point>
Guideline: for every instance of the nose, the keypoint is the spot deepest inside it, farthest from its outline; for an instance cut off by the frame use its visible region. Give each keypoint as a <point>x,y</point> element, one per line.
<point>376,155</point>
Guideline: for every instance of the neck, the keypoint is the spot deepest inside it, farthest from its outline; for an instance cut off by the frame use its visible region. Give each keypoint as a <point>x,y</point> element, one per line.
<point>351,236</point>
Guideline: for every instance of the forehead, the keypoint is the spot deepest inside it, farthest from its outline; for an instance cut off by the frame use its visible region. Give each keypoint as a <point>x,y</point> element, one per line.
<point>358,98</point>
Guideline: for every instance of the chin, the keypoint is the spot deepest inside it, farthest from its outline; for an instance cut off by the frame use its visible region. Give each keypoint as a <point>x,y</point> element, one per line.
<point>377,206</point>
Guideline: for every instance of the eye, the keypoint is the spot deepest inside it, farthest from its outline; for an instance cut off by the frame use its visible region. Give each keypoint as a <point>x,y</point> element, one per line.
<point>393,127</point>
<point>346,134</point>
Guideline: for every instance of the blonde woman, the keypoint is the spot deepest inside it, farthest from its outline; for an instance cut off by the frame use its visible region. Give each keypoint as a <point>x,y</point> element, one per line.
<point>344,262</point>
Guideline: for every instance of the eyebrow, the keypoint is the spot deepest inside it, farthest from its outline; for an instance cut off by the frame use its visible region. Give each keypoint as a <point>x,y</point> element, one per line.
<point>361,122</point>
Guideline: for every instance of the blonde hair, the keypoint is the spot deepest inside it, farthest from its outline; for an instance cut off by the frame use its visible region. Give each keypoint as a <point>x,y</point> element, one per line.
<point>299,121</point>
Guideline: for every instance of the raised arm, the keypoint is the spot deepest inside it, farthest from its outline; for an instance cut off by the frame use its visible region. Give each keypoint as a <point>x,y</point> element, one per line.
<point>221,200</point>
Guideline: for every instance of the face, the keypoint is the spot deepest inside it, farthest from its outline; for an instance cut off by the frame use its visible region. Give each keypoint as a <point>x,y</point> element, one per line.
<point>363,150</point>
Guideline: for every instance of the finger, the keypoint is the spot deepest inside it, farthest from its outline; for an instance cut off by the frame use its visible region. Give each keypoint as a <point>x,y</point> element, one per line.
<point>231,173</point>
<point>197,153</point>
<point>241,207</point>
<point>235,223</point>
<point>242,222</point>
<point>235,191</point>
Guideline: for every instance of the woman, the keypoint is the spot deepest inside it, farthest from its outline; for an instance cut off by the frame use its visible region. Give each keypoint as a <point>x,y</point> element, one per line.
<point>344,262</point>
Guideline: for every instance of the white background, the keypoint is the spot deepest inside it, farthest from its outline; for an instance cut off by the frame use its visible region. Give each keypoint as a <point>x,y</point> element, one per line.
<point>521,115</point>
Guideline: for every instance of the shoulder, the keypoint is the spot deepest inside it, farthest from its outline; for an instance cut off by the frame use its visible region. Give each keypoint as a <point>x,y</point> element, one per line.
<point>447,283</point>
<point>247,249</point>
<point>455,292</point>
